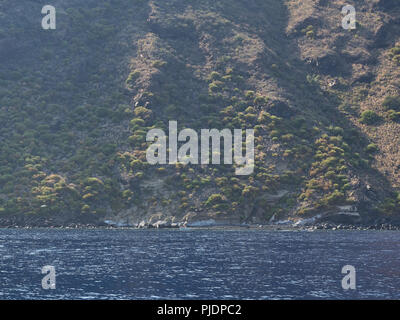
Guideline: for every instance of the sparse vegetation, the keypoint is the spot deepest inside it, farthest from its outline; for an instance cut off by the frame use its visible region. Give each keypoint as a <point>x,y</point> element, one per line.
<point>394,54</point>
<point>76,111</point>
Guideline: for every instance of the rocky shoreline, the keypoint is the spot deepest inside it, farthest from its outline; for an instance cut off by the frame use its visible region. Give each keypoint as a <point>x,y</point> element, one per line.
<point>267,227</point>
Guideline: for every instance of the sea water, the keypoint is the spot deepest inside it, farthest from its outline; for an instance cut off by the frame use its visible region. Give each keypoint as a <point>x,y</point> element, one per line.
<point>198,264</point>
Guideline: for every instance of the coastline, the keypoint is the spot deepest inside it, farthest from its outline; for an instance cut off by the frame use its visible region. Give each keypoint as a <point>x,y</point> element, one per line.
<point>58,222</point>
<point>266,227</point>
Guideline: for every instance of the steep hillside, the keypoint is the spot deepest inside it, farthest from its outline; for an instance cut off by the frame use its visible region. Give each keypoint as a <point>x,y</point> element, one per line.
<point>76,104</point>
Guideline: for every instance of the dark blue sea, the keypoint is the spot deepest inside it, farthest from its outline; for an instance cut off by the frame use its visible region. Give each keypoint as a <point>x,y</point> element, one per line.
<point>199,264</point>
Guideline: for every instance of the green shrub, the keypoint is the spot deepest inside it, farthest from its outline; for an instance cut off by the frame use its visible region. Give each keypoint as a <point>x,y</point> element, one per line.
<point>369,117</point>
<point>137,122</point>
<point>309,32</point>
<point>142,112</point>
<point>214,76</point>
<point>394,53</point>
<point>394,115</point>
<point>287,137</point>
<point>371,148</point>
<point>249,94</point>
<point>336,197</point>
<point>260,100</point>
<point>215,86</point>
<point>132,78</point>
<point>392,102</point>
<point>159,64</point>
<point>389,206</point>
<point>214,199</point>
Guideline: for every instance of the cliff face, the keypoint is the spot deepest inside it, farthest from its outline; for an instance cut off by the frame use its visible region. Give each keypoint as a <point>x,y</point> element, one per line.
<point>76,104</point>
